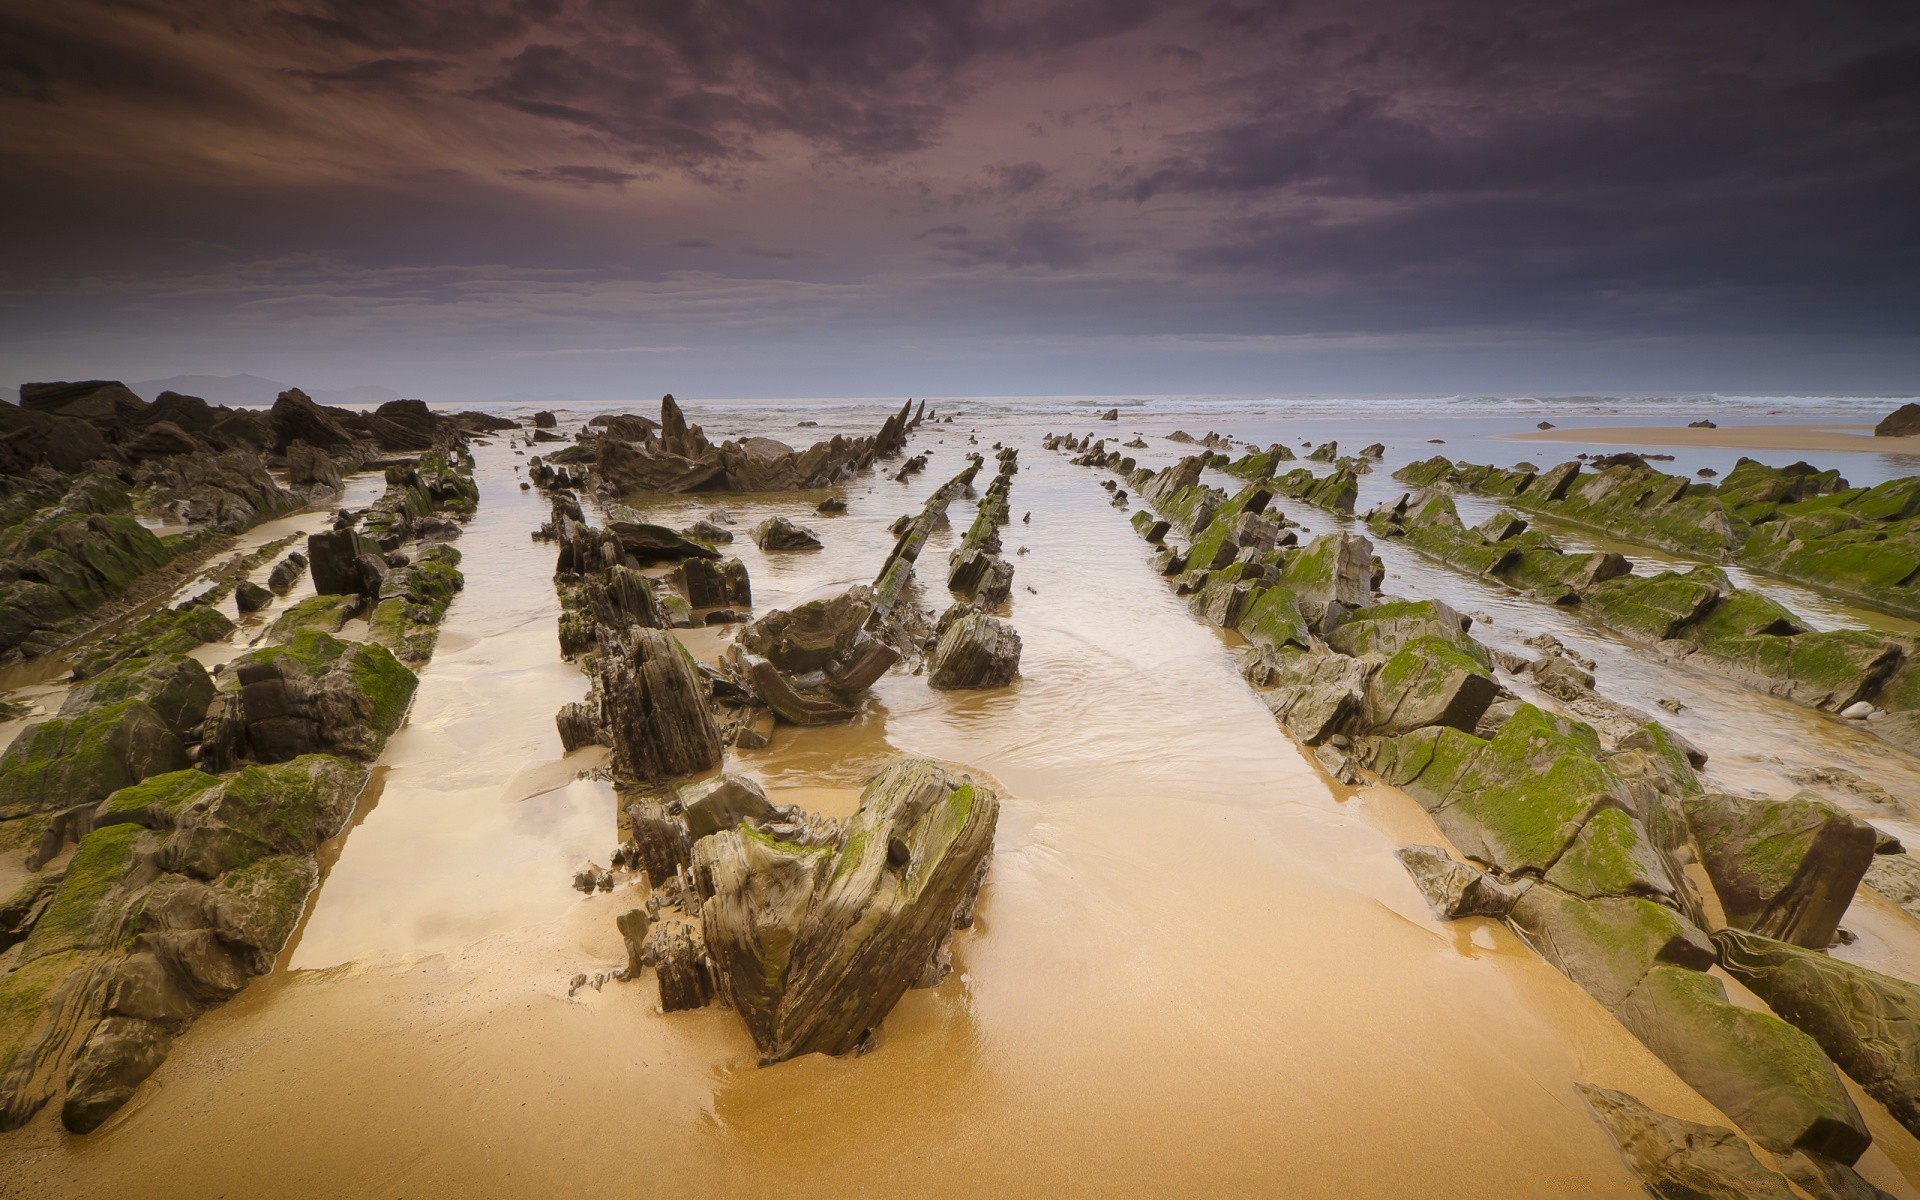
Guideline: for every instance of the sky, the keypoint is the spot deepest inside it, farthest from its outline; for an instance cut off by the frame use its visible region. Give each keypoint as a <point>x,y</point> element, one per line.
<point>468,200</point>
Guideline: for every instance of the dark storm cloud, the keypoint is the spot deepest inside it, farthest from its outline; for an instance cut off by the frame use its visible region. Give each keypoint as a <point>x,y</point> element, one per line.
<point>1211,168</point>
<point>575,176</point>
<point>378,74</point>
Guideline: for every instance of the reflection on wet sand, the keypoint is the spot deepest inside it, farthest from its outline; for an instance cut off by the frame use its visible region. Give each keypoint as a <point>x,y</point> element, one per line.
<point>1197,965</point>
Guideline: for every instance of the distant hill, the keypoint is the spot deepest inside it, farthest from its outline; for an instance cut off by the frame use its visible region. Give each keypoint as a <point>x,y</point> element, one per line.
<point>252,390</point>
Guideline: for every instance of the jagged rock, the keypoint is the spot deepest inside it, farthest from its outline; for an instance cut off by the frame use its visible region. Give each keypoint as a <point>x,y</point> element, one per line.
<point>661,843</point>
<point>779,533</point>
<point>295,418</point>
<point>1786,869</point>
<point>312,693</point>
<point>334,557</point>
<point>653,706</point>
<point>1454,889</point>
<point>1901,422</point>
<point>812,947</point>
<point>577,726</point>
<point>715,585</point>
<point>311,474</point>
<point>973,650</point>
<point>249,596</point>
<point>1867,1022</point>
<point>813,635</point>
<point>1318,695</point>
<point>1679,1159</point>
<point>681,967</point>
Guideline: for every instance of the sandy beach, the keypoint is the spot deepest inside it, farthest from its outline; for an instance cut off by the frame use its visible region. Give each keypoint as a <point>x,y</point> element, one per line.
<point>1846,439</point>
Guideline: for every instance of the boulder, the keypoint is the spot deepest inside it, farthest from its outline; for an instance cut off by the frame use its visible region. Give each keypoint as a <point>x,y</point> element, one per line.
<point>312,474</point>
<point>973,650</point>
<point>813,946</point>
<point>1318,695</point>
<point>295,418</point>
<point>249,596</point>
<point>1785,869</point>
<point>334,557</point>
<point>653,705</point>
<point>545,420</point>
<point>812,635</point>
<point>312,693</point>
<point>779,533</point>
<point>1901,422</point>
<point>1454,889</point>
<point>1679,1159</point>
<point>708,584</point>
<point>1773,1080</point>
<point>1608,946</point>
<point>726,803</point>
<point>1867,1022</point>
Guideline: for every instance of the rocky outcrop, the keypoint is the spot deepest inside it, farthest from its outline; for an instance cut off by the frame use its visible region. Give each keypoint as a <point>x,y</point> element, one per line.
<point>653,705</point>
<point>812,946</point>
<point>779,533</point>
<point>1575,840</point>
<point>973,649</point>
<point>1867,1022</point>
<point>1787,869</point>
<point>1901,422</point>
<point>976,570</point>
<point>631,457</point>
<point>1679,1158</point>
<point>313,693</point>
<point>197,811</point>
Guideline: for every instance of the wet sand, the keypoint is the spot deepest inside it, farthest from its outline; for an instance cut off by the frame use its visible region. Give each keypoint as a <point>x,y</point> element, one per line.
<point>1846,439</point>
<point>1197,966</point>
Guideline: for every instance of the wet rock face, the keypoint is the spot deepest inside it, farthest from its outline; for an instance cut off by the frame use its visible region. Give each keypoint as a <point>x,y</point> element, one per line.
<point>1682,1159</point>
<point>1786,869</point>
<point>1867,1022</point>
<point>779,533</point>
<point>313,694</point>
<point>813,946</point>
<point>973,649</point>
<point>653,706</point>
<point>675,456</point>
<point>813,635</point>
<point>1901,422</point>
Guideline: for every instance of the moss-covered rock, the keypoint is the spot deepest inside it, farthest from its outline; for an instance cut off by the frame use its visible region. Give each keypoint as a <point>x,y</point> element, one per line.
<point>1432,680</point>
<point>1516,801</point>
<point>287,808</point>
<point>1612,856</point>
<point>1769,1077</point>
<point>65,761</point>
<point>157,802</point>
<point>1608,945</point>
<point>1867,1022</point>
<point>83,915</point>
<point>1786,869</point>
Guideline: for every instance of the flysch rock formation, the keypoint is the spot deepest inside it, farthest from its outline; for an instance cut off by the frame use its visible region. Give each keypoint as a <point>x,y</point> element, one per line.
<point>629,455</point>
<point>195,803</point>
<point>1576,839</point>
<point>810,929</point>
<point>84,464</point>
